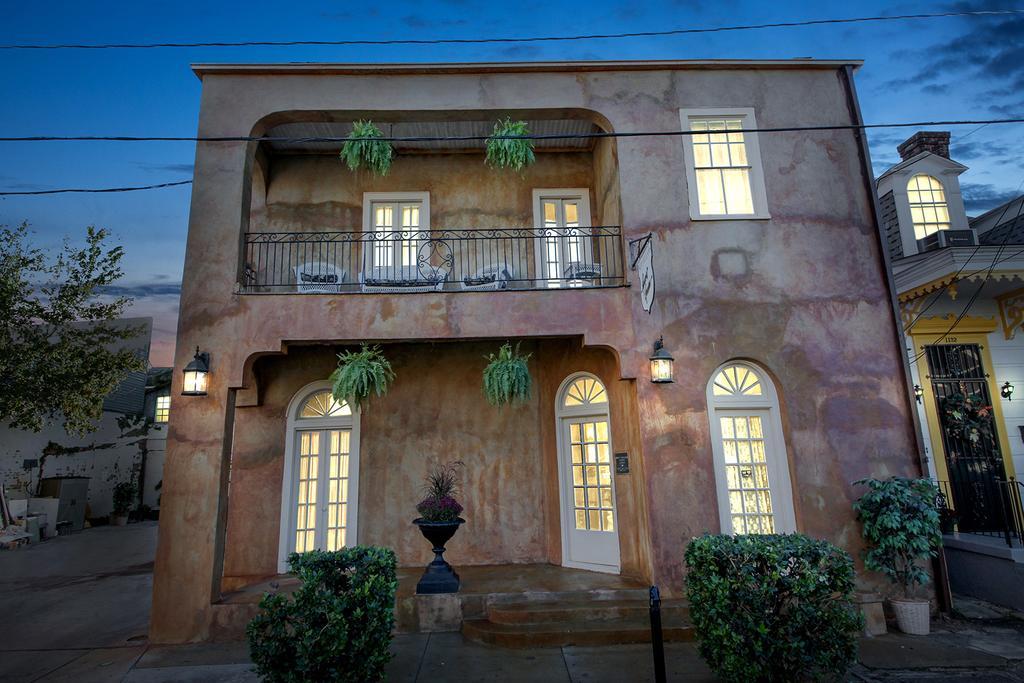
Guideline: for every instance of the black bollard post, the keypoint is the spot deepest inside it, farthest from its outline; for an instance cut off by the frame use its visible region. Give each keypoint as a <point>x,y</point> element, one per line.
<point>657,643</point>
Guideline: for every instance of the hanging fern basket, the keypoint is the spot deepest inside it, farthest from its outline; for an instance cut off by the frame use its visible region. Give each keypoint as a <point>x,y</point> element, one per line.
<point>504,150</point>
<point>507,376</point>
<point>364,149</point>
<point>360,375</point>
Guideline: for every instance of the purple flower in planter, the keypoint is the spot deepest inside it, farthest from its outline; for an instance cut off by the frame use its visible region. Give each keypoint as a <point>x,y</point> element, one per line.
<point>439,509</point>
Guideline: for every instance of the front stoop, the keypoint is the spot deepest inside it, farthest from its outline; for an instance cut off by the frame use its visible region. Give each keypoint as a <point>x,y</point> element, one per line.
<point>578,620</point>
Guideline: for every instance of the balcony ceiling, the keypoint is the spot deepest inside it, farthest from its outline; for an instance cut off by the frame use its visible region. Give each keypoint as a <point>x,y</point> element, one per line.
<point>315,129</point>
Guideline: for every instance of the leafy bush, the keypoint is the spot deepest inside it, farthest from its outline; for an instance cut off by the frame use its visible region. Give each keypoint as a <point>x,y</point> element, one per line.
<point>337,625</point>
<point>902,525</point>
<point>359,373</point>
<point>440,504</point>
<point>772,608</point>
<point>362,149</point>
<point>124,497</point>
<point>504,151</point>
<point>507,376</point>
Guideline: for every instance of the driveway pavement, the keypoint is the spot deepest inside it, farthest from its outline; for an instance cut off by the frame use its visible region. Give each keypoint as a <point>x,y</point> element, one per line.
<point>76,608</point>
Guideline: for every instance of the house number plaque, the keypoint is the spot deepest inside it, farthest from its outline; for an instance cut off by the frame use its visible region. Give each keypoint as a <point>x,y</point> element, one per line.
<point>622,463</point>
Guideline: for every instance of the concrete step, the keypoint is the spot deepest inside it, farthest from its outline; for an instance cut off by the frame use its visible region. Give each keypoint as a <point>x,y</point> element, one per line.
<point>581,609</point>
<point>577,632</point>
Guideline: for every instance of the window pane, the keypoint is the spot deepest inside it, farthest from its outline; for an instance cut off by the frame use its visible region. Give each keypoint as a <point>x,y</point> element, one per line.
<point>738,198</point>
<point>709,191</point>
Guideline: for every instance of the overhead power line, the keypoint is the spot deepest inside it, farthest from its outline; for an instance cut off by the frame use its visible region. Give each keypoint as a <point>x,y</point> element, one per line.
<point>481,138</point>
<point>90,190</point>
<point>518,39</point>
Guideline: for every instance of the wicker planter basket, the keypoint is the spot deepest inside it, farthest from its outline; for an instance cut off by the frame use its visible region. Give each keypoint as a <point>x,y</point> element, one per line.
<point>912,616</point>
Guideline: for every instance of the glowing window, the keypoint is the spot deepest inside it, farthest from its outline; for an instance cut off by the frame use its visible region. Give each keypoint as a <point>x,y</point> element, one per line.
<point>928,208</point>
<point>721,167</point>
<point>585,391</point>
<point>323,404</point>
<point>737,380</point>
<point>163,409</point>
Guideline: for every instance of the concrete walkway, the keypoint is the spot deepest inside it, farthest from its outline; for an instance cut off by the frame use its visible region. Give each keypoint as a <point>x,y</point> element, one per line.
<point>76,608</point>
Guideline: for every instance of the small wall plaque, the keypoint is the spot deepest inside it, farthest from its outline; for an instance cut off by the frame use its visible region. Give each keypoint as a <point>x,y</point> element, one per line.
<point>622,463</point>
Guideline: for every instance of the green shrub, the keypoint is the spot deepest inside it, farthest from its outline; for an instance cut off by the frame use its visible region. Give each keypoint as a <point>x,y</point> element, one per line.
<point>902,525</point>
<point>505,151</point>
<point>360,373</point>
<point>363,149</point>
<point>507,376</point>
<point>336,626</point>
<point>772,608</point>
<point>124,497</point>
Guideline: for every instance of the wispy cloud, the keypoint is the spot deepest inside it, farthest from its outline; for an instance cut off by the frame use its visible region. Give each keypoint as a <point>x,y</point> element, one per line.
<point>167,168</point>
<point>142,290</point>
<point>980,197</point>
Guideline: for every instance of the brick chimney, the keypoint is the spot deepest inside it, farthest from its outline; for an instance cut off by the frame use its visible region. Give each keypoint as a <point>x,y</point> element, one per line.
<point>936,142</point>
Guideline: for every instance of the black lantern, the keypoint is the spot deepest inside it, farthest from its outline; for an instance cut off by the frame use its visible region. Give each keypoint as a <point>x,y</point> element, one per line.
<point>197,373</point>
<point>661,363</point>
<point>1006,391</point>
<point>918,392</point>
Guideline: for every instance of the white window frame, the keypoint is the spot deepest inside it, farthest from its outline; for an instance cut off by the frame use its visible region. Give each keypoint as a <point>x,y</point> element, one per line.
<point>779,479</point>
<point>371,198</point>
<point>581,194</point>
<point>286,534</point>
<point>156,408</point>
<point>758,195</point>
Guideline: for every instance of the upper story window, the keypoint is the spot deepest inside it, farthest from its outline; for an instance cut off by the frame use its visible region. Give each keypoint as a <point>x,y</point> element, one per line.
<point>723,164</point>
<point>928,208</point>
<point>163,409</point>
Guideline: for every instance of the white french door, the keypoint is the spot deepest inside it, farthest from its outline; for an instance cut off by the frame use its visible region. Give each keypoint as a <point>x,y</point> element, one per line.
<point>322,490</point>
<point>564,247</point>
<point>590,538</point>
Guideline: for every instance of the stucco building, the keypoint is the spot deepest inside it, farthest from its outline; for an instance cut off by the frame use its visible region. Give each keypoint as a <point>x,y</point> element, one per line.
<point>960,283</point>
<point>770,292</point>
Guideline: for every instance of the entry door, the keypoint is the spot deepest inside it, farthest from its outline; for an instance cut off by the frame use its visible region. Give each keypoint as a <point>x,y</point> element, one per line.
<point>322,490</point>
<point>565,257</point>
<point>589,522</point>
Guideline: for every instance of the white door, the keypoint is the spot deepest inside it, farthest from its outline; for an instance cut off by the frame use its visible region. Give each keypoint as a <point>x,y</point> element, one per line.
<point>398,224</point>
<point>590,538</point>
<point>564,253</point>
<point>320,487</point>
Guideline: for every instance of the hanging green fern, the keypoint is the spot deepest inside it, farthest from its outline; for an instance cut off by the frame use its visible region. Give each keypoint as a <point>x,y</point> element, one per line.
<point>506,152</point>
<point>359,373</point>
<point>507,377</point>
<point>363,150</point>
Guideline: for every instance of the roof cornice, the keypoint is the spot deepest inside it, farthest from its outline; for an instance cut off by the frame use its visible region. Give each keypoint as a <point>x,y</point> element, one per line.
<point>324,68</point>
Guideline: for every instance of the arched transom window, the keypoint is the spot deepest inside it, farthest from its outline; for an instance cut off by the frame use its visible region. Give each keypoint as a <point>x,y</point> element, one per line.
<point>320,488</point>
<point>751,467</point>
<point>583,392</point>
<point>928,209</point>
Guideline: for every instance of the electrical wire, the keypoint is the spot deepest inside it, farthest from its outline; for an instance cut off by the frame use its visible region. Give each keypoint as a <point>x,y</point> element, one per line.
<point>90,190</point>
<point>519,39</point>
<point>482,138</point>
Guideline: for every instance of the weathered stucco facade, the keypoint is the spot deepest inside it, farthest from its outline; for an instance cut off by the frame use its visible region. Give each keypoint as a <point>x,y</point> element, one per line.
<point>802,294</point>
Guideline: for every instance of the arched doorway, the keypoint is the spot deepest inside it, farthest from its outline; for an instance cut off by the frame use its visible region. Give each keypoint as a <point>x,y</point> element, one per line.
<point>590,535</point>
<point>320,487</point>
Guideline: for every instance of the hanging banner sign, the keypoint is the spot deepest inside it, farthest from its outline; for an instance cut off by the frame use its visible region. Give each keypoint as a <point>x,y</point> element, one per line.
<point>643,264</point>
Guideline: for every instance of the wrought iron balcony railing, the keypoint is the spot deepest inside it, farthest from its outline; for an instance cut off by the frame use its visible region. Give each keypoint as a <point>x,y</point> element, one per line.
<point>432,260</point>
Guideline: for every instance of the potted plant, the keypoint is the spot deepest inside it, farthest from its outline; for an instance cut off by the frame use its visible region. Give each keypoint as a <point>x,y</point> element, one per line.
<point>507,377</point>
<point>365,149</point>
<point>124,498</point>
<point>506,148</point>
<point>360,374</point>
<point>438,521</point>
<point>902,527</point>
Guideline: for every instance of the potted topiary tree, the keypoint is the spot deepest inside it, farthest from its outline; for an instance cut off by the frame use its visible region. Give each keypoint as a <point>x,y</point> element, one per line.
<point>124,498</point>
<point>902,527</point>
<point>360,374</point>
<point>438,521</point>
<point>507,376</point>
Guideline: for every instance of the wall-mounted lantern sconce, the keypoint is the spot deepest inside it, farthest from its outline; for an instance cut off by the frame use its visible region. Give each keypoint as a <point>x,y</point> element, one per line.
<point>1006,391</point>
<point>661,363</point>
<point>197,373</point>
<point>918,392</point>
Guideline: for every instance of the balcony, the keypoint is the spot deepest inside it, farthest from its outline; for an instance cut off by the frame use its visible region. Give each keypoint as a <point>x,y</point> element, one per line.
<point>409,261</point>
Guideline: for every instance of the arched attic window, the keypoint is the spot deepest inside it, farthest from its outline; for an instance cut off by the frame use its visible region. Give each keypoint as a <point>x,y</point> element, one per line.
<point>928,208</point>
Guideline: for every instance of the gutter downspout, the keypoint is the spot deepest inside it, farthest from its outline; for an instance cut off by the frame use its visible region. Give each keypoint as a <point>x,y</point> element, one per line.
<point>943,592</point>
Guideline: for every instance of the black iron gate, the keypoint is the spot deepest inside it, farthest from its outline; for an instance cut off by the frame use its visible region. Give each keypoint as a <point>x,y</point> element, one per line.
<point>973,458</point>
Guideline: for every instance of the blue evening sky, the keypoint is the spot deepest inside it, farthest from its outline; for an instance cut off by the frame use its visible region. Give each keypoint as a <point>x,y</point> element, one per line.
<point>915,70</point>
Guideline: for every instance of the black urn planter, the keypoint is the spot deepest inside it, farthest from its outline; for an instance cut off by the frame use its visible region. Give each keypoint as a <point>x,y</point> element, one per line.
<point>439,576</point>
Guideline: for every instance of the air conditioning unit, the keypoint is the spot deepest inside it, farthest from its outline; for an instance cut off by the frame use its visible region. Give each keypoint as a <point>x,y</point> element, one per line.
<point>948,238</point>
